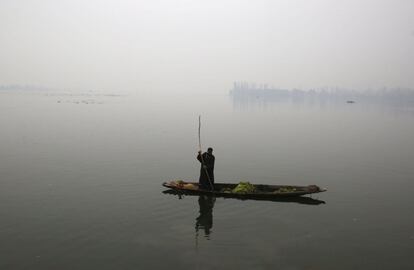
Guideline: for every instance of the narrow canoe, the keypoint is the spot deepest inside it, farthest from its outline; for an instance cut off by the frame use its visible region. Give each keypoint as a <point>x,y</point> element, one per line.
<point>261,191</point>
<point>296,199</point>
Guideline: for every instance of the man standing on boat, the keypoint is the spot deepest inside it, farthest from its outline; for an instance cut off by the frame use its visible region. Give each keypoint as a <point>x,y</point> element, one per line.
<point>207,159</point>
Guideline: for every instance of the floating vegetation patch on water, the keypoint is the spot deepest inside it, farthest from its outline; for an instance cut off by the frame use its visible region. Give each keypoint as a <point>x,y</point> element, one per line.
<point>87,101</point>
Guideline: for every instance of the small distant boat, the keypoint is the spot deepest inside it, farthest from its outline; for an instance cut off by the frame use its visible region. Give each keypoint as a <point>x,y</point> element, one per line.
<point>261,191</point>
<point>350,101</point>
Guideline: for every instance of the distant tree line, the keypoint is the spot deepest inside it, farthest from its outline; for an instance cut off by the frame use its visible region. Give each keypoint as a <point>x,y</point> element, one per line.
<point>26,87</point>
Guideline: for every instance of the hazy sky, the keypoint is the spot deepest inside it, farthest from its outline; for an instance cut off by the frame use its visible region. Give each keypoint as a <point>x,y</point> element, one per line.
<point>197,45</point>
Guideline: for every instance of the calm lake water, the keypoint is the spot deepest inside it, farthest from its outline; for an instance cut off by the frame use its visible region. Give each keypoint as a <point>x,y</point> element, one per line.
<point>81,174</point>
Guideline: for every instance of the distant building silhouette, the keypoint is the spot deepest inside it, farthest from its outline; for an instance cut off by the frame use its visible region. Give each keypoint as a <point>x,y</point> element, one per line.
<point>246,93</point>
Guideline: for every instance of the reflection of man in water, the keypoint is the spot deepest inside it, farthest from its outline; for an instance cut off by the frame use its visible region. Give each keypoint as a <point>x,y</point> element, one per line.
<point>207,159</point>
<point>205,219</point>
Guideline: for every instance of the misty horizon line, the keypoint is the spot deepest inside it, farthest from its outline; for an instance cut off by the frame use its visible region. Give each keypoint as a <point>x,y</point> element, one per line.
<point>243,86</point>
<point>42,88</point>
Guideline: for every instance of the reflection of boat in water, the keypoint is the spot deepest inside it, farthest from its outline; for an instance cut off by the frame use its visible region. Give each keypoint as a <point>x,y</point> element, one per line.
<point>300,199</point>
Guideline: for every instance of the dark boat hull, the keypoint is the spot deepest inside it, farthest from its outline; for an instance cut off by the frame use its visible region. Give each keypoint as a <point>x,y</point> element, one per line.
<point>286,199</point>
<point>264,192</point>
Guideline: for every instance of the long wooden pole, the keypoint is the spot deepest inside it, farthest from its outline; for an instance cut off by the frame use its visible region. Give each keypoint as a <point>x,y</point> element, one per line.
<point>199,132</point>
<point>201,153</point>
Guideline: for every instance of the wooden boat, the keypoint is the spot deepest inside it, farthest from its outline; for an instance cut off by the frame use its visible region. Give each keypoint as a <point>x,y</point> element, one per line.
<point>261,191</point>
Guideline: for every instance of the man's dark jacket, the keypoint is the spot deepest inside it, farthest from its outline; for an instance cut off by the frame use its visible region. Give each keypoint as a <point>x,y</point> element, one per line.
<point>206,171</point>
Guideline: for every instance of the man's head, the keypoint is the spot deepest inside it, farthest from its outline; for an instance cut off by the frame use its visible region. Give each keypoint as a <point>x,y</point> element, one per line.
<point>210,150</point>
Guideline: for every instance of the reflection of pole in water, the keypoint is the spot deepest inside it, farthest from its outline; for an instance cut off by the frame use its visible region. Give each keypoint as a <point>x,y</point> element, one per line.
<point>205,219</point>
